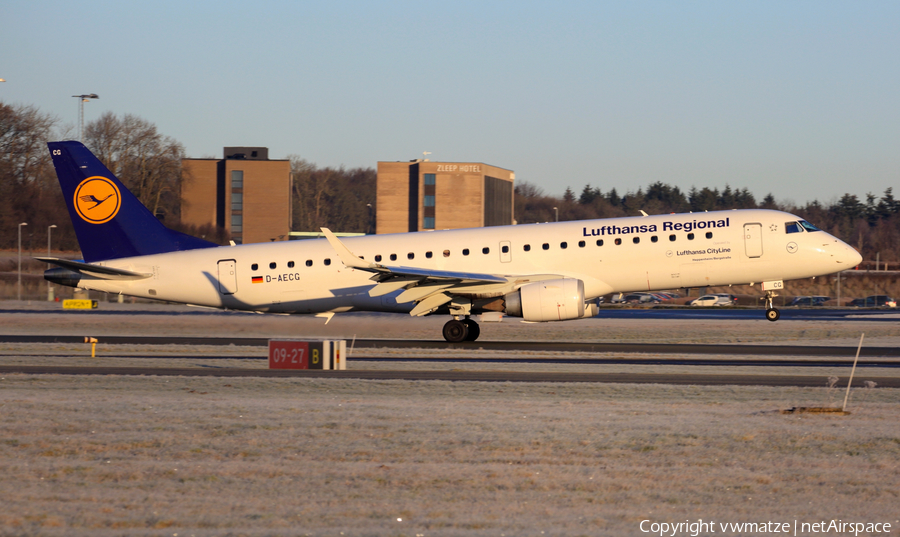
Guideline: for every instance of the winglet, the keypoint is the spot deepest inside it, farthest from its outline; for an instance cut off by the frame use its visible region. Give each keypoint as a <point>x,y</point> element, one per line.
<point>348,258</point>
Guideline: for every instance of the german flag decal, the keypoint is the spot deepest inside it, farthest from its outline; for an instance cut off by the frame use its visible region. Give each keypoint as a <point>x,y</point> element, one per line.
<point>257,279</point>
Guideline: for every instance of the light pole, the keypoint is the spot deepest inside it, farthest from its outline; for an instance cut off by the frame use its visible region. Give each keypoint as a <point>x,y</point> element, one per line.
<point>49,285</point>
<point>556,212</point>
<point>81,100</point>
<point>19,286</point>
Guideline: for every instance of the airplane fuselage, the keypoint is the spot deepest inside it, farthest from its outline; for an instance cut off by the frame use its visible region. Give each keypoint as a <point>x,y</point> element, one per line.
<point>609,255</point>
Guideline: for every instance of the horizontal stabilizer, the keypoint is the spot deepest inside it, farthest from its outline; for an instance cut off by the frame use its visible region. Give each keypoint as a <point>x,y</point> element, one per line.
<point>95,271</point>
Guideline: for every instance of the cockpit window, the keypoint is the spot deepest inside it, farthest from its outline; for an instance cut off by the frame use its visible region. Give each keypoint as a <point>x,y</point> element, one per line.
<point>792,227</point>
<point>809,227</point>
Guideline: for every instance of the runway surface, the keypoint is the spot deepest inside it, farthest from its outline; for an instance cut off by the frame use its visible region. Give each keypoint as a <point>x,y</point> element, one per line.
<point>471,376</point>
<point>529,346</point>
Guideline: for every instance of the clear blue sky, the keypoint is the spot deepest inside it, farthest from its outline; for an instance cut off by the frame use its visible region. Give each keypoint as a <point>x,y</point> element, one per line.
<point>800,99</point>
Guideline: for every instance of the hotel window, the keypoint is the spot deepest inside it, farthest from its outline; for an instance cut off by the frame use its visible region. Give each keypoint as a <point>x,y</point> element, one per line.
<point>428,202</point>
<point>237,206</point>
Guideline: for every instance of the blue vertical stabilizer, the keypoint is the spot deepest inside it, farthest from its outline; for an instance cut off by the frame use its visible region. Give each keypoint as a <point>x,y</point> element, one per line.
<point>109,221</point>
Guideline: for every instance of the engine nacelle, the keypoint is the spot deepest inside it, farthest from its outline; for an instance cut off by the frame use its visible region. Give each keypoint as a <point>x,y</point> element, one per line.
<point>550,300</point>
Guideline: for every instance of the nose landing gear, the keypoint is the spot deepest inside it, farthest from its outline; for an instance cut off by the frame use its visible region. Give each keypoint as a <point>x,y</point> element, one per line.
<point>456,330</point>
<point>772,312</point>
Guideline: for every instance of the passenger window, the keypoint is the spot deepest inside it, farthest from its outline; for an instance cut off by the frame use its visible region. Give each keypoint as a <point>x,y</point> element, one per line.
<point>792,227</point>
<point>272,265</point>
<point>545,246</point>
<point>654,238</point>
<point>427,255</point>
<point>636,240</point>
<point>393,257</point>
<point>290,264</point>
<point>465,251</point>
<point>709,234</point>
<point>505,249</point>
<point>671,238</point>
<point>410,255</point>
<point>527,247</point>
<point>446,253</point>
<point>254,266</point>
<point>690,236</point>
<point>599,242</point>
<point>563,245</point>
<point>581,244</point>
<point>309,262</point>
<point>485,250</point>
<point>378,258</point>
<point>328,261</point>
<point>618,242</point>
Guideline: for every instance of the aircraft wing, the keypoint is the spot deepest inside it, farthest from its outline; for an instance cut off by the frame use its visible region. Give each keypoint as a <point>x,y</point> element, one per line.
<point>430,289</point>
<point>95,271</point>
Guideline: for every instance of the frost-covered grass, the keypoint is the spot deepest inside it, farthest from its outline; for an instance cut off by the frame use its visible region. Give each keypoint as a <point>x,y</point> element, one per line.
<point>206,456</point>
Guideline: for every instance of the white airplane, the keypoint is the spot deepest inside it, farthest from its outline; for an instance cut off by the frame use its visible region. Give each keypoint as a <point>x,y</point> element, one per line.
<point>540,272</point>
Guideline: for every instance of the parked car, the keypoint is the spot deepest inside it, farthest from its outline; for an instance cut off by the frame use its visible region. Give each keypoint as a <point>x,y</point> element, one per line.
<point>712,300</point>
<point>874,301</point>
<point>640,298</point>
<point>730,297</point>
<point>808,301</point>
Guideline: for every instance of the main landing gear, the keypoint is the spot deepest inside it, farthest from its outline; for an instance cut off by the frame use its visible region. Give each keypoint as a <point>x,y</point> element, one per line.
<point>772,312</point>
<point>458,330</point>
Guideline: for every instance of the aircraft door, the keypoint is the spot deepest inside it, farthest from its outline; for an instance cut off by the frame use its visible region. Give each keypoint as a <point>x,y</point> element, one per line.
<point>227,277</point>
<point>753,240</point>
<point>505,252</point>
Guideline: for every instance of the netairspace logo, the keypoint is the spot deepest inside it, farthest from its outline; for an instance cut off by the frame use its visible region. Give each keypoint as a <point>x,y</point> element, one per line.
<point>837,527</point>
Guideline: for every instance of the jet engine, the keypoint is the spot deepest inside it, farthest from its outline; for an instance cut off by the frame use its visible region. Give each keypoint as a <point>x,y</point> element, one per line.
<point>550,300</point>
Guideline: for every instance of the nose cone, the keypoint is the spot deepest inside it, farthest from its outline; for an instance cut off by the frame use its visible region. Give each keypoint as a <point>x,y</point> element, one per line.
<point>848,257</point>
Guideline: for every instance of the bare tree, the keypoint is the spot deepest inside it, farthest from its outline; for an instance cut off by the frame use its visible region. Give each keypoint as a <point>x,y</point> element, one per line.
<point>148,162</point>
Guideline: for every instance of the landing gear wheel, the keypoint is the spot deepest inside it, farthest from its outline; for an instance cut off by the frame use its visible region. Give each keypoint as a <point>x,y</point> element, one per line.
<point>773,314</point>
<point>455,331</point>
<point>474,330</point>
